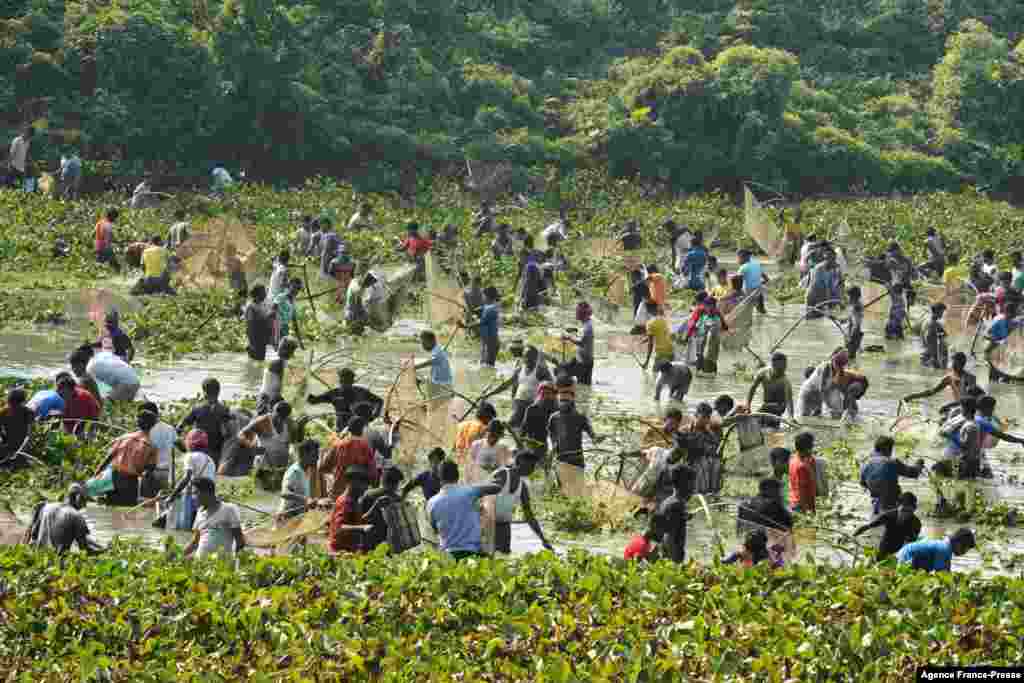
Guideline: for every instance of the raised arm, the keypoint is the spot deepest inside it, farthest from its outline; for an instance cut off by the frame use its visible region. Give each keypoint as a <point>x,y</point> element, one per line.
<point>943,383</point>
<point>876,522</point>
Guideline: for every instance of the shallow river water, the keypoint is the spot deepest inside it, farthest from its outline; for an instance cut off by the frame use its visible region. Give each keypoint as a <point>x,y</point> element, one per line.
<point>620,387</point>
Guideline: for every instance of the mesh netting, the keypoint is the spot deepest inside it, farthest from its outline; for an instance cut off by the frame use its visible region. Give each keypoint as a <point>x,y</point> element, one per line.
<point>444,297</point>
<point>205,255</point>
<point>306,524</point>
<point>761,227</point>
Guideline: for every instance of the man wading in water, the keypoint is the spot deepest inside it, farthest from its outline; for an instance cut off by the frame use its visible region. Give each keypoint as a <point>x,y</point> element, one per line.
<point>778,392</point>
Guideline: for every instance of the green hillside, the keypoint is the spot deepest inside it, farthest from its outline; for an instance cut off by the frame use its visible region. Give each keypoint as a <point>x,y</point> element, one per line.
<point>873,95</point>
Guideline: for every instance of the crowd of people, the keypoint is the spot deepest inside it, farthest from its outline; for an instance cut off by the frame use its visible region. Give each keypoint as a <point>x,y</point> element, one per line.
<point>545,423</point>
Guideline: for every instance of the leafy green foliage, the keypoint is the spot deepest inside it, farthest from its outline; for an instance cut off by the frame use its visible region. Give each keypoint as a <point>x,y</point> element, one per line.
<point>881,95</point>
<point>149,616</point>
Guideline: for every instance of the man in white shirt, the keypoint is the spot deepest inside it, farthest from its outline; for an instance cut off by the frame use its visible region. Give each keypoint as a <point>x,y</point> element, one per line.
<point>122,379</point>
<point>179,232</point>
<point>557,231</point>
<point>221,178</point>
<point>218,525</point>
<point>163,437</point>
<point>18,160</point>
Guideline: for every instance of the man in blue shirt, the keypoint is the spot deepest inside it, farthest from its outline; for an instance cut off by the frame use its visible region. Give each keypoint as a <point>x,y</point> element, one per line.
<point>489,320</point>
<point>53,401</point>
<point>454,513</point>
<point>695,262</point>
<point>440,367</point>
<point>753,276</point>
<point>937,555</point>
<point>880,475</point>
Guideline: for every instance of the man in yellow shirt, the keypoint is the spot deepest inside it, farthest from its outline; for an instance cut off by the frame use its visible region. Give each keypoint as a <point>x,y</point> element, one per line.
<point>659,336</point>
<point>154,258</point>
<point>471,430</point>
<point>156,273</point>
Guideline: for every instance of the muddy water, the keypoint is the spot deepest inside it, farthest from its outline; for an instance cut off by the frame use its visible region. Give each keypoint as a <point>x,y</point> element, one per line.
<point>620,387</point>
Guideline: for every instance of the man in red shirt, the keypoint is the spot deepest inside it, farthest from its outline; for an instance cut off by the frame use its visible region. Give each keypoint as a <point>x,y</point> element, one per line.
<point>414,245</point>
<point>353,449</point>
<point>349,513</point>
<point>643,547</point>
<point>81,408</point>
<point>803,488</point>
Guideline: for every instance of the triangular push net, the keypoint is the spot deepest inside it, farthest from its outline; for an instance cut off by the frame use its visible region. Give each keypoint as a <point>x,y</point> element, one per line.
<point>760,225</point>
<point>204,255</point>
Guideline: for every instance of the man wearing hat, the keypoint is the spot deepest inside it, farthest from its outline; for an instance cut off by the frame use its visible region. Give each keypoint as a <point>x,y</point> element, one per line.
<point>937,555</point>
<point>61,525</point>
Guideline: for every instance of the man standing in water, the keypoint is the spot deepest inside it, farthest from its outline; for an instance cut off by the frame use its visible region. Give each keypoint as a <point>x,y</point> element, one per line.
<point>525,383</point>
<point>753,277</point>
<point>440,367</point>
<point>490,315</point>
<point>957,379</point>
<point>454,513</point>
<point>778,392</point>
<point>346,397</point>
<point>901,525</point>
<point>582,368</point>
<point>61,525</point>
<point>131,458</point>
<point>673,515</point>
<point>515,492</point>
<point>212,417</point>
<point>566,429</point>
<point>937,555</point>
<point>218,525</point>
<point>880,475</point>
<point>803,478</point>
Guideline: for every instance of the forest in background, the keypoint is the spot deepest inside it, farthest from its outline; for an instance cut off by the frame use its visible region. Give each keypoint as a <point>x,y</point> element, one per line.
<point>806,97</point>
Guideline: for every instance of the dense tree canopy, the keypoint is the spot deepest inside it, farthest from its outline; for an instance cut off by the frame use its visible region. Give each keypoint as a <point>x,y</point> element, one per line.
<point>805,96</point>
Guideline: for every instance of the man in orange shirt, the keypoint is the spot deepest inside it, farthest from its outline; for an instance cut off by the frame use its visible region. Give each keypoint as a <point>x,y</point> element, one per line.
<point>354,449</point>
<point>132,457</point>
<point>803,488</point>
<point>471,430</point>
<point>105,239</point>
<point>658,286</point>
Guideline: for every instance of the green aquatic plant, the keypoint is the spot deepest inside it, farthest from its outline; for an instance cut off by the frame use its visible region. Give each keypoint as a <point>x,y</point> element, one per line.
<point>148,615</point>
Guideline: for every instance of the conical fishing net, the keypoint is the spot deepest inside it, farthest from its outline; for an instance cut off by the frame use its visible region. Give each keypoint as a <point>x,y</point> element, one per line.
<point>444,297</point>
<point>760,225</point>
<point>204,255</point>
<point>617,291</point>
<point>740,322</point>
<point>306,524</point>
<point>871,291</point>
<point>635,344</point>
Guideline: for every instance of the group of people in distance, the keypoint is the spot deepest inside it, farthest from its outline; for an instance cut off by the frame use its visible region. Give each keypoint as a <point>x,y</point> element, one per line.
<point>544,420</point>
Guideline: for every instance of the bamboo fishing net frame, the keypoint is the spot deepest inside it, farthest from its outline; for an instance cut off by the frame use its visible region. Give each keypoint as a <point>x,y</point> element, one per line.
<point>204,253</point>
